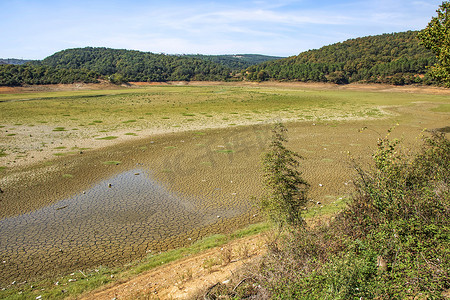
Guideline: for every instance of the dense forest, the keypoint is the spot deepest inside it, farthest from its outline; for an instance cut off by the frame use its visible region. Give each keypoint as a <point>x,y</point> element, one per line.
<point>118,66</point>
<point>131,65</point>
<point>396,58</point>
<point>236,62</point>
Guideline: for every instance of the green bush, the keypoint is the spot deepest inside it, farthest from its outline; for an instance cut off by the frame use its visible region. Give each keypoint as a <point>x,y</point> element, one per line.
<point>391,242</point>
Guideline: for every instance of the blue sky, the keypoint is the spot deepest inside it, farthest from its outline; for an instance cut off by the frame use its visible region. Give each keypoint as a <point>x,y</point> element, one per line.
<point>35,29</point>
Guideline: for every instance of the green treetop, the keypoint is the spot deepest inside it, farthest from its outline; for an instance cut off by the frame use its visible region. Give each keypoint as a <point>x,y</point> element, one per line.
<point>436,37</point>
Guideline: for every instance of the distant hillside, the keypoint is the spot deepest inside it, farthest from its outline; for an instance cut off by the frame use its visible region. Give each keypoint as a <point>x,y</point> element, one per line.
<point>131,65</point>
<point>395,58</point>
<point>236,62</point>
<point>13,61</point>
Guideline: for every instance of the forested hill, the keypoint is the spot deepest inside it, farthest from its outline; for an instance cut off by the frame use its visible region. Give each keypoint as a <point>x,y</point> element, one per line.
<point>236,62</point>
<point>395,58</point>
<point>131,65</point>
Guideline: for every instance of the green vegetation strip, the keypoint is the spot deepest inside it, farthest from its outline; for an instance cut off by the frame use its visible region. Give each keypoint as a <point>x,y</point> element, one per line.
<point>442,108</point>
<point>107,138</point>
<point>225,151</point>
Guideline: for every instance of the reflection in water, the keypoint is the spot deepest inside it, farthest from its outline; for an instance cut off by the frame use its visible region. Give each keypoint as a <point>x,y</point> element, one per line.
<point>114,221</point>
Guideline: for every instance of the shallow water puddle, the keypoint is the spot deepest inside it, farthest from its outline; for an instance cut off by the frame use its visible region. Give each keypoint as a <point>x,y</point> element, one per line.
<point>117,219</point>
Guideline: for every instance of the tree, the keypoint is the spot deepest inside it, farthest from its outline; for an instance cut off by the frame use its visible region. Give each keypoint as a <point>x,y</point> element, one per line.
<point>262,75</point>
<point>286,190</point>
<point>436,37</point>
<point>337,77</point>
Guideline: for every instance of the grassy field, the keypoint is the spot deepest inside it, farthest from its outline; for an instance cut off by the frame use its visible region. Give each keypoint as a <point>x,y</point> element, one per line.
<point>65,122</point>
<point>199,142</point>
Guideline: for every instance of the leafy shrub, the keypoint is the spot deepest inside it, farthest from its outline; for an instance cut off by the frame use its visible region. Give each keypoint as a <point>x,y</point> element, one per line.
<point>391,242</point>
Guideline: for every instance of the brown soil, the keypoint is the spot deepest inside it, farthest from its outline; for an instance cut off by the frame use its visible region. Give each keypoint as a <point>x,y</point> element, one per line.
<point>185,278</point>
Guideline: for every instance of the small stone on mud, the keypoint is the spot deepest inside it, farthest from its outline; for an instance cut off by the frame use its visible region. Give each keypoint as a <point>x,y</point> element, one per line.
<point>109,185</point>
<point>320,184</point>
<point>136,173</point>
<point>318,202</point>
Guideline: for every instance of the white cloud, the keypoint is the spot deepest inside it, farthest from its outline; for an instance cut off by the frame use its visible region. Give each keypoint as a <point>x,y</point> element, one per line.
<point>283,27</point>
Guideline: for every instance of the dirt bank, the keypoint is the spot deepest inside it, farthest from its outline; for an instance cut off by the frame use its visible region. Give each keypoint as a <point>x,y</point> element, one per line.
<point>185,278</point>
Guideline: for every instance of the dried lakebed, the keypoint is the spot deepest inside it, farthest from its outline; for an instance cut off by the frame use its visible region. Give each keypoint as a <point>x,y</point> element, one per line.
<point>114,221</point>
<point>49,227</point>
<point>165,192</point>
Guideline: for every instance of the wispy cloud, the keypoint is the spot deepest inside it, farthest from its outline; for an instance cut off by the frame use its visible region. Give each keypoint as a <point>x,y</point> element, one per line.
<point>36,29</point>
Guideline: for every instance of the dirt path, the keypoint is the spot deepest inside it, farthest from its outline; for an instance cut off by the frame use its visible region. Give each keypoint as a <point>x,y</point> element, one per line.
<point>185,278</point>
